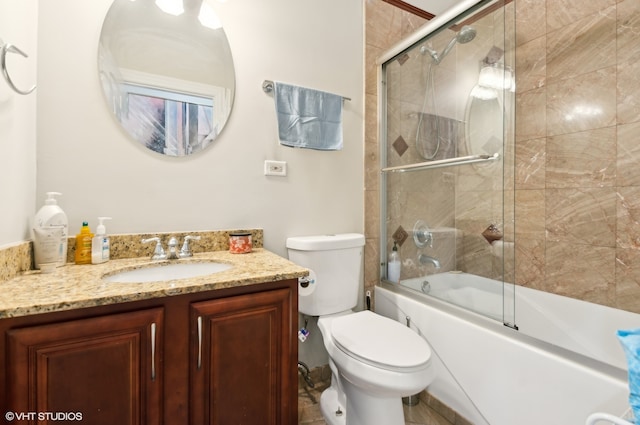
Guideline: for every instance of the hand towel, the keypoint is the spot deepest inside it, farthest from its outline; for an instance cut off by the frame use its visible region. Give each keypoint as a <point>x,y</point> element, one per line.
<point>308,118</point>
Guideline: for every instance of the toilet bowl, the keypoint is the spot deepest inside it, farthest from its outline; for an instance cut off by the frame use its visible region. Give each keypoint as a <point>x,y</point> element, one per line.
<point>374,361</point>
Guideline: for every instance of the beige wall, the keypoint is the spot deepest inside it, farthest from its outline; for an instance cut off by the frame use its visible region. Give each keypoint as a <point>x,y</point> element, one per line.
<point>18,21</point>
<point>84,154</point>
<point>577,125</point>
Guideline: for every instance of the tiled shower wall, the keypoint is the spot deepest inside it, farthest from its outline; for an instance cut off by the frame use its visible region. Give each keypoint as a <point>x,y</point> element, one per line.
<point>577,180</point>
<point>578,149</point>
<point>385,25</point>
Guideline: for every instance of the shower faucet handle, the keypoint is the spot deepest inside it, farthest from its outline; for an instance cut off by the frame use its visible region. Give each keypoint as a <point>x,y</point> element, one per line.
<point>422,236</point>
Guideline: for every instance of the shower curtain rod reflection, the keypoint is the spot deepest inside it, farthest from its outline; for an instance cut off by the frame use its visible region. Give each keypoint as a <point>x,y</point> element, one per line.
<point>442,163</point>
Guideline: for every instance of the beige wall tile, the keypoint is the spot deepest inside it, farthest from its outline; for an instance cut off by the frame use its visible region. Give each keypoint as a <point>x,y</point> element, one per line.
<point>584,159</point>
<point>383,26</point>
<point>372,218</point>
<point>530,164</point>
<point>628,215</point>
<point>371,146</point>
<point>532,105</point>
<point>628,280</point>
<point>628,29</point>
<point>530,214</point>
<point>581,103</point>
<point>531,65</point>
<point>411,23</point>
<point>372,53</point>
<point>530,20</point>
<point>590,276</point>
<point>582,46</point>
<point>371,262</point>
<point>628,90</point>
<point>628,155</point>
<point>561,13</point>
<point>581,216</point>
<point>530,263</point>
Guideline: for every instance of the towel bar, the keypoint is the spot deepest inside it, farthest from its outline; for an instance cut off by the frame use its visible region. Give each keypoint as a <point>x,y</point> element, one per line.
<point>268,86</point>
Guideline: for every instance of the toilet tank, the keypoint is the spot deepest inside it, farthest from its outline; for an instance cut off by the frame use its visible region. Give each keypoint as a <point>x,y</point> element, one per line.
<point>335,263</point>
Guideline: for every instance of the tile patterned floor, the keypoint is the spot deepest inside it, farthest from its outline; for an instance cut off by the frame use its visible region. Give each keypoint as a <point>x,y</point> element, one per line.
<point>309,408</point>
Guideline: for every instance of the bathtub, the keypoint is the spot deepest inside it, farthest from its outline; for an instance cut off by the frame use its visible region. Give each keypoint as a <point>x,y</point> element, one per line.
<point>562,364</point>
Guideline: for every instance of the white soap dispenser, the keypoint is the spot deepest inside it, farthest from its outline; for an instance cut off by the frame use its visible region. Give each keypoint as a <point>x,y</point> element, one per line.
<point>50,227</point>
<point>393,265</point>
<point>100,244</point>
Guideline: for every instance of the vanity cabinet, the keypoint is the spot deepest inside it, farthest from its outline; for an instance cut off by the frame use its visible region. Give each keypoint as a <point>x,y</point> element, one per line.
<point>226,356</point>
<point>102,369</point>
<point>242,351</point>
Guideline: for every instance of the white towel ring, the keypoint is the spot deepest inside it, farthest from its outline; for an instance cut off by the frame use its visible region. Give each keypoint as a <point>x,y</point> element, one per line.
<point>3,64</point>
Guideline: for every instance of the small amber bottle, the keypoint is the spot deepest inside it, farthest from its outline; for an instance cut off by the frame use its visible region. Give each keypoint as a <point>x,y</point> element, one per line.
<point>83,244</point>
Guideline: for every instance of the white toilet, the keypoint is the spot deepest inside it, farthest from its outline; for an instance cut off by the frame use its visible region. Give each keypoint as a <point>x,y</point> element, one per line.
<point>375,361</point>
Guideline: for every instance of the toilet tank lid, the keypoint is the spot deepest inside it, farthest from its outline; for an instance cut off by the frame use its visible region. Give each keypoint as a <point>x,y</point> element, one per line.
<point>326,242</point>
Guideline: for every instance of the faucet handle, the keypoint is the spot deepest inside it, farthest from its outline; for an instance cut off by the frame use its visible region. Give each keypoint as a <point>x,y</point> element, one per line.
<point>185,251</point>
<point>422,236</point>
<point>158,252</point>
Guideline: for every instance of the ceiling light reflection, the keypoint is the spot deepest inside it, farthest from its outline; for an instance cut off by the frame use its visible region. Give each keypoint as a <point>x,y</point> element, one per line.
<point>208,17</point>
<point>172,7</point>
<point>484,93</point>
<point>497,76</point>
<point>583,111</point>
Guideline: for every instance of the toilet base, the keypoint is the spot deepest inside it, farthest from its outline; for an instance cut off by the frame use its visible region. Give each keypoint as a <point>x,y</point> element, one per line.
<point>362,409</point>
<point>329,405</point>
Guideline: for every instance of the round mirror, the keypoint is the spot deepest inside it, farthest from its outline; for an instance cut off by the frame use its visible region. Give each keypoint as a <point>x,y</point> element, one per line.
<point>167,73</point>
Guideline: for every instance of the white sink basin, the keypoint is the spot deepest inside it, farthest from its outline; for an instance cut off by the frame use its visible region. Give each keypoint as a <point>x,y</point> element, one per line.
<point>166,272</point>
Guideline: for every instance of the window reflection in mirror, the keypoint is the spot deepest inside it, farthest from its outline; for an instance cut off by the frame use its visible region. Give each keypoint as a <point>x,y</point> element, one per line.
<point>170,123</point>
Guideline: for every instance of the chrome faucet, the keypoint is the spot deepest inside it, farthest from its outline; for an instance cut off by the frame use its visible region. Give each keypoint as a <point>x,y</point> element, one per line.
<point>185,251</point>
<point>173,249</point>
<point>158,252</point>
<point>425,259</point>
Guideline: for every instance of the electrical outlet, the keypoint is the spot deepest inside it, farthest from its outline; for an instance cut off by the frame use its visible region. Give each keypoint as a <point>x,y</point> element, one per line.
<point>275,168</point>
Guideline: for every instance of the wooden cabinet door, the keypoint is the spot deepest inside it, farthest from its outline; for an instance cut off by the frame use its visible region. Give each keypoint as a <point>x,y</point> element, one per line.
<point>244,360</point>
<point>106,369</point>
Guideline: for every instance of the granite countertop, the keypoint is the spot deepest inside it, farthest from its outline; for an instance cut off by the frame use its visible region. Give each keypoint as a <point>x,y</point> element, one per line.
<point>79,286</point>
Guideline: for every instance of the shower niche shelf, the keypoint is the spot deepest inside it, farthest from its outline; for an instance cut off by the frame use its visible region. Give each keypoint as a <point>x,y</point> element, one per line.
<point>449,162</point>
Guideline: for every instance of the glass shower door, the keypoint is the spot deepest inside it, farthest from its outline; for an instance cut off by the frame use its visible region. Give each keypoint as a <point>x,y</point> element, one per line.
<point>447,162</point>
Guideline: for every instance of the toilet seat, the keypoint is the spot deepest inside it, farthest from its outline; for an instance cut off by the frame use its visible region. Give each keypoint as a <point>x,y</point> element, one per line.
<point>380,342</point>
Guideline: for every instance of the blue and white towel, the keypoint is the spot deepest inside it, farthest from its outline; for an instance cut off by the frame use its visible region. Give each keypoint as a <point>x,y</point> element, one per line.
<point>308,118</point>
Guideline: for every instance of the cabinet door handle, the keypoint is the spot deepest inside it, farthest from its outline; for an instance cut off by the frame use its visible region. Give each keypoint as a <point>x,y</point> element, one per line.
<point>153,351</point>
<point>199,342</point>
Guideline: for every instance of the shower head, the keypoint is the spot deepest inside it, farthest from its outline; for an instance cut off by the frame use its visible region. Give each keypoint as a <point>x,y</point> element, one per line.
<point>465,35</point>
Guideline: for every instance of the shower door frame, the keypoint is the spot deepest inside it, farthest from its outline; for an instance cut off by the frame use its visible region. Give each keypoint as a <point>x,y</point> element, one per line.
<point>438,24</point>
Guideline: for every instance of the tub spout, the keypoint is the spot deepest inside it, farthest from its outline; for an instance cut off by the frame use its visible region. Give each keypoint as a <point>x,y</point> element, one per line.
<point>425,259</point>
